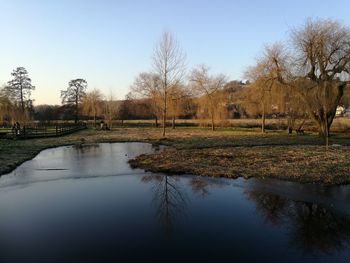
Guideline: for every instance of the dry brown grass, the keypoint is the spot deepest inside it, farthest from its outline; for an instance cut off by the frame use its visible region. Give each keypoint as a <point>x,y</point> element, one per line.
<point>307,164</point>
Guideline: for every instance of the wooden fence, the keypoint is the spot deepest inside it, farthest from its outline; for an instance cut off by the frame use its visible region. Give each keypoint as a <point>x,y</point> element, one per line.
<point>29,132</point>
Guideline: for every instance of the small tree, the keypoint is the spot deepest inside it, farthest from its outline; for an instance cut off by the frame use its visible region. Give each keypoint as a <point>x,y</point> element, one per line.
<point>74,95</point>
<point>19,88</point>
<point>178,94</point>
<point>92,103</point>
<point>111,107</point>
<point>169,64</point>
<point>204,84</point>
<point>268,74</point>
<point>149,86</point>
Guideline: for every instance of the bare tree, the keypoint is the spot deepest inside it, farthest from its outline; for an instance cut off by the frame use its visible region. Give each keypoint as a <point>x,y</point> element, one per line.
<point>19,88</point>
<point>322,49</point>
<point>320,68</point>
<point>204,84</point>
<point>149,86</point>
<point>92,103</point>
<point>170,201</point>
<point>169,64</point>
<point>74,95</point>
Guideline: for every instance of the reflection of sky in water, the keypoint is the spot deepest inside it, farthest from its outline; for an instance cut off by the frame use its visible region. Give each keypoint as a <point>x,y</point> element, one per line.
<point>88,204</point>
<point>76,162</point>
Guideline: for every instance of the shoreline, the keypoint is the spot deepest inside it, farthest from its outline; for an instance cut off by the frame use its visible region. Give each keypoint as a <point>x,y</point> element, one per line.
<point>203,153</point>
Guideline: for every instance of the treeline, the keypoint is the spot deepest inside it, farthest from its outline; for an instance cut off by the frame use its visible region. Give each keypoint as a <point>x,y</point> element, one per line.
<point>230,103</point>
<point>95,104</point>
<point>183,101</point>
<point>305,78</point>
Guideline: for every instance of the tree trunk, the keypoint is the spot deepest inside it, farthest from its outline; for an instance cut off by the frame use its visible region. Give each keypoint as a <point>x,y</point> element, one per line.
<point>76,114</point>
<point>263,119</point>
<point>173,123</point>
<point>324,115</point>
<point>76,110</point>
<point>289,125</point>
<point>324,127</point>
<point>212,123</point>
<point>212,118</point>
<point>164,121</point>
<point>164,112</point>
<point>327,135</point>
<point>22,101</point>
<point>156,121</point>
<point>324,120</point>
<point>323,130</point>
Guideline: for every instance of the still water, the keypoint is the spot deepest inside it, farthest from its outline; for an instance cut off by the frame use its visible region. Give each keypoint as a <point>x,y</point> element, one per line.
<point>82,204</point>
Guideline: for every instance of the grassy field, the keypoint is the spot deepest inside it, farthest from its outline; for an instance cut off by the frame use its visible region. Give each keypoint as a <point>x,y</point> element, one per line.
<point>340,124</point>
<point>229,152</point>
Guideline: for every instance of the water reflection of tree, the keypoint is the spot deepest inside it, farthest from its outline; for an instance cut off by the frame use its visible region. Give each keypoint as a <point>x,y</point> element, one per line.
<point>169,199</point>
<point>315,228</point>
<point>272,207</point>
<point>87,148</point>
<point>203,185</point>
<point>312,228</point>
<point>199,186</point>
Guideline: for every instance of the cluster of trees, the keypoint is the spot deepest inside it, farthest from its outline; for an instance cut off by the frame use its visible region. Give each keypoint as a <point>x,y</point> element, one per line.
<point>16,103</point>
<point>312,74</point>
<point>306,79</point>
<point>172,92</point>
<point>89,103</point>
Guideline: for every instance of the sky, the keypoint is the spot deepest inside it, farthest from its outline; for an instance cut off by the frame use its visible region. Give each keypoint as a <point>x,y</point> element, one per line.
<point>109,42</point>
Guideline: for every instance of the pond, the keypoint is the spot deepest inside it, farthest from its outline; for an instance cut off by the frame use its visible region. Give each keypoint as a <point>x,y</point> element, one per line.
<point>86,204</point>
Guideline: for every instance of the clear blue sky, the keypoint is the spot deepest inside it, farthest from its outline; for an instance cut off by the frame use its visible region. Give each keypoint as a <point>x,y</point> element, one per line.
<point>109,42</point>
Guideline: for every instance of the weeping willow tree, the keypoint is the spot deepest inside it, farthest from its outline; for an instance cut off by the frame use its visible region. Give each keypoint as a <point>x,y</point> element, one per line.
<point>6,108</point>
<point>207,87</point>
<point>322,67</point>
<point>266,77</point>
<point>92,104</point>
<point>317,68</point>
<point>178,96</point>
